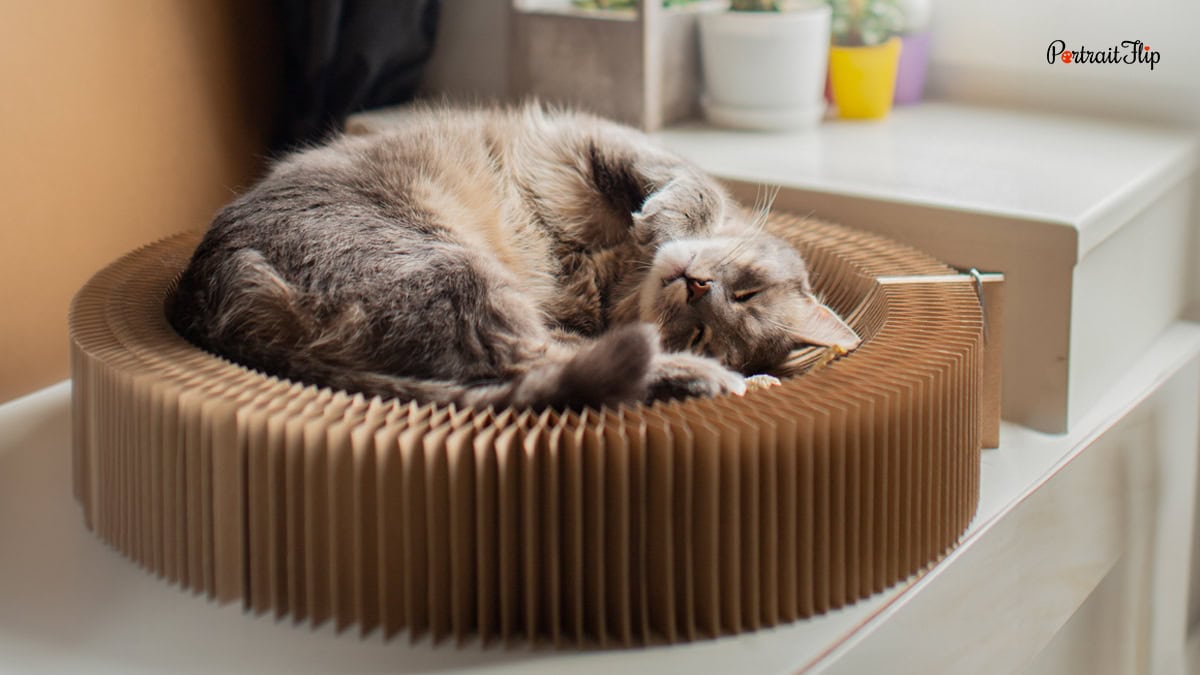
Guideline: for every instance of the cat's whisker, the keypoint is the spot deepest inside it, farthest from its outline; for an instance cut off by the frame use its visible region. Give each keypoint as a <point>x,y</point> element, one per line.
<point>733,251</point>
<point>759,194</point>
<point>763,203</point>
<point>764,208</point>
<point>760,204</point>
<point>766,198</point>
<point>760,222</point>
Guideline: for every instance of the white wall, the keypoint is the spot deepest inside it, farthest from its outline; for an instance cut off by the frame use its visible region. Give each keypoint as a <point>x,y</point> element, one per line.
<point>995,52</point>
<point>983,50</point>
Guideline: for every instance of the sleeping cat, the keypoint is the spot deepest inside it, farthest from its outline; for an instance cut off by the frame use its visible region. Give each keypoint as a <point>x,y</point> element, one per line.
<point>519,257</point>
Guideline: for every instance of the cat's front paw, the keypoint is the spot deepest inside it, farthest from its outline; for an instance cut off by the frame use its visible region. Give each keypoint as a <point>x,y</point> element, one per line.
<point>681,375</point>
<point>687,206</point>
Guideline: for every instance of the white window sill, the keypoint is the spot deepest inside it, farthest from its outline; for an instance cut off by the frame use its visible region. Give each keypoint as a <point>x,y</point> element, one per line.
<point>1081,173</point>
<point>72,605</point>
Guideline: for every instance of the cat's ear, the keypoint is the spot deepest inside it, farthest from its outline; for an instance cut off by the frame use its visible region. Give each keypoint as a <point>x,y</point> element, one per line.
<point>815,324</point>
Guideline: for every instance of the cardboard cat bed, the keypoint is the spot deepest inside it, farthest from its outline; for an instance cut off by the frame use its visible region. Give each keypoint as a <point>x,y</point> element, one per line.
<point>630,526</point>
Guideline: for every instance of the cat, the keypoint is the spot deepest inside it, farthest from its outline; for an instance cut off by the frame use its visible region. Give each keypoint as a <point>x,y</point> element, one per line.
<point>520,256</point>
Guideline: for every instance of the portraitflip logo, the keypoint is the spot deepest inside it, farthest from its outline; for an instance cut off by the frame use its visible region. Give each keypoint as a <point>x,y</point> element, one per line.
<point>1129,51</point>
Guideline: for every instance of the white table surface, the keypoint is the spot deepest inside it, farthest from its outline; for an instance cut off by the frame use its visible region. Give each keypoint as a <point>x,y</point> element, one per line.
<point>69,604</point>
<point>1087,174</point>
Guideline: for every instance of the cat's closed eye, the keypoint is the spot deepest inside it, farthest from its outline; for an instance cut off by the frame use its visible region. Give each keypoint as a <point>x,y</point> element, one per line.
<point>746,295</point>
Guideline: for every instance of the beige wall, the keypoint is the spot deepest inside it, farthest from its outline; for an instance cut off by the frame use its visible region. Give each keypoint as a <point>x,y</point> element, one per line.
<point>120,122</point>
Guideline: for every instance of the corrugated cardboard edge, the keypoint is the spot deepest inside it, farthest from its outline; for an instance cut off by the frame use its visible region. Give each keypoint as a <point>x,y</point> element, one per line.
<point>636,525</point>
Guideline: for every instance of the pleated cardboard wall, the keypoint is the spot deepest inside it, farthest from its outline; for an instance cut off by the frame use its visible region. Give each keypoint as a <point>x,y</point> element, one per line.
<point>623,526</point>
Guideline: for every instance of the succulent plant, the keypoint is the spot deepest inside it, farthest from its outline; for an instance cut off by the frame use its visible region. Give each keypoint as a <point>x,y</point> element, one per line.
<point>865,22</point>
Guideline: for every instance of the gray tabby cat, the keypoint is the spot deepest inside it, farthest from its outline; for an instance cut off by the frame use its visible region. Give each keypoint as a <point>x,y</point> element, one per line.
<point>512,258</point>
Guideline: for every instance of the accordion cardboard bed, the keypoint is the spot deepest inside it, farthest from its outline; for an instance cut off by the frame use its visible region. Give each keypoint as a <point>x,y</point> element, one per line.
<point>626,526</point>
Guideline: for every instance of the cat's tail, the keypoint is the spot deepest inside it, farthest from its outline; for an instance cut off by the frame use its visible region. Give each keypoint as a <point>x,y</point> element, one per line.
<point>613,369</point>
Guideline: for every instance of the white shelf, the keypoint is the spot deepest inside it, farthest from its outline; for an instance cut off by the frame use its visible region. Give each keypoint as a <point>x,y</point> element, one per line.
<point>69,604</point>
<point>1084,174</point>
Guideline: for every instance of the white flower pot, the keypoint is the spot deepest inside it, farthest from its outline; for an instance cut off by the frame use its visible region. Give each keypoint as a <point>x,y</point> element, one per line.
<point>765,70</point>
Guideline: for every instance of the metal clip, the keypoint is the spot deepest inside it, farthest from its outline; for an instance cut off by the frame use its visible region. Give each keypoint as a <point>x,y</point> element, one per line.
<point>978,277</point>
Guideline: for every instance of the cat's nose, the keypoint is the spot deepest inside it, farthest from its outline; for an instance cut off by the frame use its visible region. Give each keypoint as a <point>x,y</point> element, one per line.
<point>696,288</point>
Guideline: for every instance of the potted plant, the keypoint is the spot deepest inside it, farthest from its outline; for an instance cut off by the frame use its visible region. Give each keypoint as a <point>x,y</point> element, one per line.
<point>764,64</point>
<point>914,50</point>
<point>864,56</point>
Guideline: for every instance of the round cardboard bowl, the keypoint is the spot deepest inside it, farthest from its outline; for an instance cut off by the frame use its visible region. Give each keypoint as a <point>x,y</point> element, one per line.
<point>626,526</point>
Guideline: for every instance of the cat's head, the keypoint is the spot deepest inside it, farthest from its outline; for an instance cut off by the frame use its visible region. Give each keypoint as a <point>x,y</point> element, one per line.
<point>745,301</point>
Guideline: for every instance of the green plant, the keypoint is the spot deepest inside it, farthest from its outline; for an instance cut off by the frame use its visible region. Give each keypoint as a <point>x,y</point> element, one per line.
<point>865,22</point>
<point>754,5</point>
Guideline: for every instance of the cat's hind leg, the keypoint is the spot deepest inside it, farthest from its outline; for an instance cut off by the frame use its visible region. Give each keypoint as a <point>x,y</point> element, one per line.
<point>463,318</point>
<point>607,371</point>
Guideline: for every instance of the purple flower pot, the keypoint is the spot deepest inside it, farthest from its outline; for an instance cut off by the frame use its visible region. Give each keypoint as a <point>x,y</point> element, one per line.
<point>914,61</point>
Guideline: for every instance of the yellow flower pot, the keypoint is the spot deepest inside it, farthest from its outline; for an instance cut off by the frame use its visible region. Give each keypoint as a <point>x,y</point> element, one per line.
<point>863,79</point>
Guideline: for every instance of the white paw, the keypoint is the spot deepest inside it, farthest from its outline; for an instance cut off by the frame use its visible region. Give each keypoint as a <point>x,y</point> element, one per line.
<point>762,381</point>
<point>680,375</point>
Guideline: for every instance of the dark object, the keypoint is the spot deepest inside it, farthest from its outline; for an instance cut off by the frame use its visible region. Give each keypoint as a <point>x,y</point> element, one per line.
<point>342,56</point>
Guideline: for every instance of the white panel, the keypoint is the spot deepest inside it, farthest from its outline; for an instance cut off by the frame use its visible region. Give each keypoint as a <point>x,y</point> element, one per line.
<point>1127,290</point>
